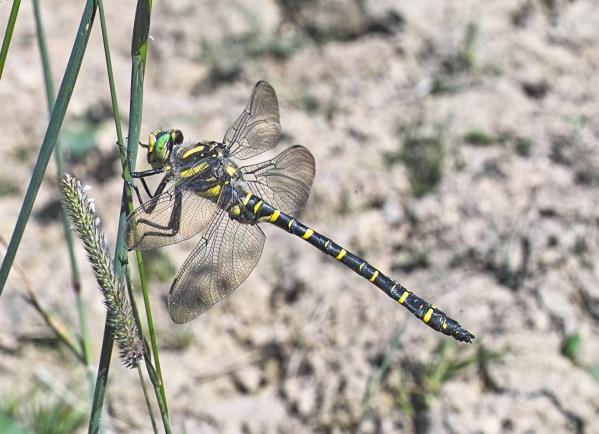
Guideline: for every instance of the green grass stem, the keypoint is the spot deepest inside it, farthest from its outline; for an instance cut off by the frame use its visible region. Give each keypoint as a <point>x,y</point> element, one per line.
<point>127,176</point>
<point>107,341</point>
<point>10,27</point>
<point>147,399</point>
<point>58,157</point>
<point>102,379</point>
<point>138,54</point>
<point>157,390</point>
<point>139,50</point>
<point>128,198</point>
<point>58,114</point>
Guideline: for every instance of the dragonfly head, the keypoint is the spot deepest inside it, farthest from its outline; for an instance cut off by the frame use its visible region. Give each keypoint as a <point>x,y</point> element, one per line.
<point>160,144</point>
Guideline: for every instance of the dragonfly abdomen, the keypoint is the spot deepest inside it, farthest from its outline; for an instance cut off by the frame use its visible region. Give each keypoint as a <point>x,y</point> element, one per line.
<point>427,313</point>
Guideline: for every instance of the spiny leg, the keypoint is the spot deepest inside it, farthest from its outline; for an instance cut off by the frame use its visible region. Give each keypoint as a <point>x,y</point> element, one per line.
<point>146,173</point>
<point>141,176</point>
<point>150,205</point>
<point>131,168</point>
<point>174,222</point>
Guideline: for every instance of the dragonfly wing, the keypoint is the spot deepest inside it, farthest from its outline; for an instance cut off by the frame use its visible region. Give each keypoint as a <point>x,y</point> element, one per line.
<point>226,254</point>
<point>257,129</point>
<point>173,216</point>
<point>284,181</point>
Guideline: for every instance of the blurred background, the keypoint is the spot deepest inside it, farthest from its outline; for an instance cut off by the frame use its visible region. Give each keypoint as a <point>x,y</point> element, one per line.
<point>456,149</point>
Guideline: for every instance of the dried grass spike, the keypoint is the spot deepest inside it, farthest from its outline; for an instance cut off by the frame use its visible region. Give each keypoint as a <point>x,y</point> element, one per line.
<point>81,211</point>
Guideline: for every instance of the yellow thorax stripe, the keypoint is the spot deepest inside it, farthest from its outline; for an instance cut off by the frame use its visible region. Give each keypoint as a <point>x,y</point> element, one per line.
<point>213,191</point>
<point>235,211</point>
<point>193,170</point>
<point>194,150</point>
<point>257,206</point>
<point>247,198</point>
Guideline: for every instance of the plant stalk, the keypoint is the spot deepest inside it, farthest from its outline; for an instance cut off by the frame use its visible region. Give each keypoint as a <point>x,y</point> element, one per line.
<point>10,27</point>
<point>75,275</point>
<point>58,114</point>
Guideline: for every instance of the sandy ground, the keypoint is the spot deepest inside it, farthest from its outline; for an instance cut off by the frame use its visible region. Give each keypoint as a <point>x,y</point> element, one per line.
<point>500,97</point>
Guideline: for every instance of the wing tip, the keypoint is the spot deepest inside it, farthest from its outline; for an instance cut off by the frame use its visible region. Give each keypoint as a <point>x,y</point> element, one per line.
<point>260,94</point>
<point>179,313</point>
<point>263,83</point>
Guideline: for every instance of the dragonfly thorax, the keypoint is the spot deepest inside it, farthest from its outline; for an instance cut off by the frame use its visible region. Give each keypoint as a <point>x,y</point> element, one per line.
<point>206,160</point>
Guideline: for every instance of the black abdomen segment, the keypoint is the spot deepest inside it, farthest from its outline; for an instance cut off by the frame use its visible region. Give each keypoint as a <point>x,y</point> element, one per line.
<point>430,315</point>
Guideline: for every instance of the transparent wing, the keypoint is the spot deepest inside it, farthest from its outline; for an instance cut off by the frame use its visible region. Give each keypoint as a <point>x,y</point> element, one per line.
<point>226,254</point>
<point>284,181</point>
<point>173,216</point>
<point>257,129</point>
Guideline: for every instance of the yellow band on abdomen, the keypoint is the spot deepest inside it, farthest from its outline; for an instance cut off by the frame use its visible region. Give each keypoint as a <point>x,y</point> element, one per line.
<point>307,234</point>
<point>275,215</point>
<point>373,278</point>
<point>403,297</point>
<point>428,314</point>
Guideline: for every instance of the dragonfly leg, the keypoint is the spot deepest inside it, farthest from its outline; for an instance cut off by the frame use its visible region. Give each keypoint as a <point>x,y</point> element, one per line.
<point>146,173</point>
<point>149,206</point>
<point>143,174</point>
<point>174,223</point>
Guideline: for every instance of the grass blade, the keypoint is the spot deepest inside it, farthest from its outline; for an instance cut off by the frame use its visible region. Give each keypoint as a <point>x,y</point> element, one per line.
<point>75,276</point>
<point>128,199</point>
<point>139,54</point>
<point>10,27</point>
<point>139,51</point>
<point>107,341</point>
<point>41,39</point>
<point>58,113</point>
<point>102,378</point>
<point>147,399</point>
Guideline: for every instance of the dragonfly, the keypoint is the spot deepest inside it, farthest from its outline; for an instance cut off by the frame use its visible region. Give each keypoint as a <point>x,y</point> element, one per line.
<point>205,188</point>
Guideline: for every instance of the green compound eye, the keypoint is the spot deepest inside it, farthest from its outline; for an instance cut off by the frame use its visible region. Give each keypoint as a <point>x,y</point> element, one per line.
<point>162,142</point>
<point>161,147</point>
